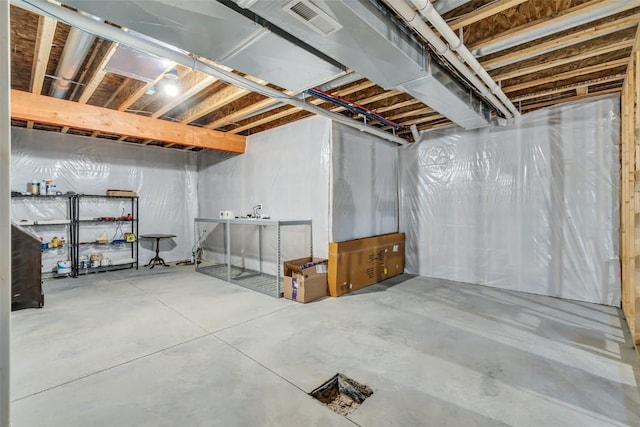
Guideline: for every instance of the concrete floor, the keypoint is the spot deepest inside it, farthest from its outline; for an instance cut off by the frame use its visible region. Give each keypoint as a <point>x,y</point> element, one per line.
<point>171,347</point>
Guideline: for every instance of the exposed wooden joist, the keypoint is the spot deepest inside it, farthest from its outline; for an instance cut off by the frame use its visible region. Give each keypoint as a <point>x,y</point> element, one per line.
<point>137,94</point>
<point>192,83</point>
<point>105,50</point>
<point>522,30</point>
<point>542,104</point>
<point>58,112</point>
<point>564,41</point>
<point>568,88</point>
<point>372,99</point>
<point>248,110</point>
<point>236,115</point>
<point>426,118</point>
<point>563,61</point>
<point>567,75</point>
<point>484,12</point>
<point>42,51</point>
<point>411,113</point>
<point>97,73</point>
<point>215,101</point>
<point>44,40</point>
<point>268,119</point>
<point>402,104</point>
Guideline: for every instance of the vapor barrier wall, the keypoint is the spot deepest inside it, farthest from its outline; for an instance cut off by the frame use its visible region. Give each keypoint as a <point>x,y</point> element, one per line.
<point>285,169</point>
<point>364,184</point>
<point>164,179</point>
<point>530,207</point>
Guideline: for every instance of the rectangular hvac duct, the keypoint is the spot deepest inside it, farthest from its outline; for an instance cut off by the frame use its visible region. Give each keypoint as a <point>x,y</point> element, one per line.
<point>214,31</point>
<point>364,37</point>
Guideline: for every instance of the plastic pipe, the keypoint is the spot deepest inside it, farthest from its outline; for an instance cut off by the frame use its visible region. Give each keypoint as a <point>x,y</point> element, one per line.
<point>426,9</point>
<point>414,21</point>
<point>178,56</point>
<point>5,214</point>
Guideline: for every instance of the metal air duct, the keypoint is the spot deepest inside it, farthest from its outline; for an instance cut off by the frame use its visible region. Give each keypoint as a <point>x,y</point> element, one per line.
<point>367,39</point>
<point>75,51</point>
<point>212,30</point>
<point>109,32</point>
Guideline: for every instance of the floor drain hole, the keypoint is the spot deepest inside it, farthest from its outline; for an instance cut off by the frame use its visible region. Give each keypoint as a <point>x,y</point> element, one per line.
<point>341,394</point>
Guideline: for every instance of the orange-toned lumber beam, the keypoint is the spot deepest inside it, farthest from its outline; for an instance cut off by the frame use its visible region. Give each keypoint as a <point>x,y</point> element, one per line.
<point>58,112</point>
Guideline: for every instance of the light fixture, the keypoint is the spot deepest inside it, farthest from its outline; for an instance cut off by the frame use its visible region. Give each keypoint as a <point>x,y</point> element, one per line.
<point>170,85</point>
<point>171,88</point>
<point>151,90</point>
<point>172,74</point>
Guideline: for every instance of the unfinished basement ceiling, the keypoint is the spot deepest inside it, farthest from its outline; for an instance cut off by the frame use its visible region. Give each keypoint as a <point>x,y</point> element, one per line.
<point>540,52</point>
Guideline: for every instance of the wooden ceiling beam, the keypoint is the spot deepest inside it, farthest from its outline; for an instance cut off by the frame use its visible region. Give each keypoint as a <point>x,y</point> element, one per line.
<point>267,102</point>
<point>230,118</point>
<point>98,72</point>
<point>567,75</point>
<point>44,41</point>
<point>568,88</point>
<point>58,112</point>
<point>137,94</point>
<point>106,50</point>
<point>484,12</point>
<point>267,119</point>
<point>406,114</point>
<point>522,30</point>
<point>216,100</point>
<point>402,104</point>
<point>371,99</point>
<point>569,99</point>
<point>564,41</point>
<point>497,76</point>
<point>193,83</point>
<point>41,53</point>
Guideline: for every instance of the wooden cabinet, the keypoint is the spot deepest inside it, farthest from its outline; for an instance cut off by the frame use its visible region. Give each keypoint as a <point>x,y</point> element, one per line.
<point>26,259</point>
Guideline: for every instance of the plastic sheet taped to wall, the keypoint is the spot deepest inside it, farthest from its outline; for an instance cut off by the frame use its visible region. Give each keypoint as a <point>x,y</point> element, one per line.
<point>165,181</point>
<point>531,207</point>
<point>343,180</point>
<point>286,170</point>
<point>364,185</point>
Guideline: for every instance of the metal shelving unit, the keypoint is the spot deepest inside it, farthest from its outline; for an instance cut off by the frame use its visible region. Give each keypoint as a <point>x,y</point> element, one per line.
<point>107,224</point>
<point>41,223</point>
<point>248,268</point>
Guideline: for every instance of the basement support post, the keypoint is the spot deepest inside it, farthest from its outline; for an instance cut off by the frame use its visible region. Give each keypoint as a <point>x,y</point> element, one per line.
<point>5,212</point>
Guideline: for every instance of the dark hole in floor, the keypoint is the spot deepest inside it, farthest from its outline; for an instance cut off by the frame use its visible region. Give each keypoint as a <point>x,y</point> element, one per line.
<point>341,394</point>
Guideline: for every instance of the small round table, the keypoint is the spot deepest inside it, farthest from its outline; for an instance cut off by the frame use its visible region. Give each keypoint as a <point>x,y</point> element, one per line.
<point>157,260</point>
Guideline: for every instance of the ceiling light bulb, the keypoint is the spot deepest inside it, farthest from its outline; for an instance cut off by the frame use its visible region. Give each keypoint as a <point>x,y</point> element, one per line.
<point>171,89</point>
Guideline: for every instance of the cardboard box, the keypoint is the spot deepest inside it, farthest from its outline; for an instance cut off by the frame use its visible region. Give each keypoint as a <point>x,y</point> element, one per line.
<point>305,279</point>
<point>299,289</point>
<point>355,264</point>
<point>121,193</point>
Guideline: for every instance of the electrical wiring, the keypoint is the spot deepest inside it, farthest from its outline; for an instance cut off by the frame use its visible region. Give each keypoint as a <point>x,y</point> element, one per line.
<point>352,106</point>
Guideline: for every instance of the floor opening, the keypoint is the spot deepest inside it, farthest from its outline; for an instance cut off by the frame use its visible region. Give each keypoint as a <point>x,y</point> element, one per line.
<point>341,394</point>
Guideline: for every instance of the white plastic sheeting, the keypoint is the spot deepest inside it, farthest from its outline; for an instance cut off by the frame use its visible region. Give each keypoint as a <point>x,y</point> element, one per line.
<point>364,198</point>
<point>345,181</point>
<point>164,179</point>
<point>530,207</point>
<point>285,169</point>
